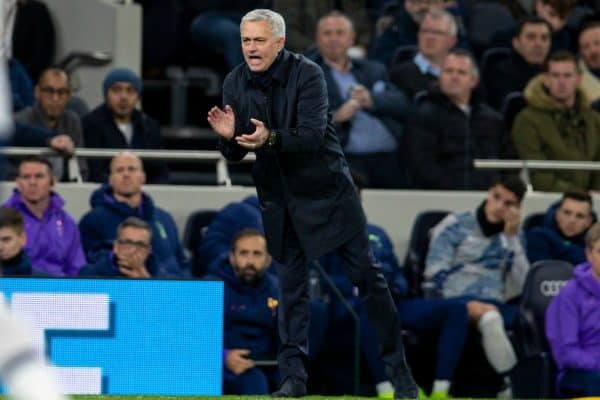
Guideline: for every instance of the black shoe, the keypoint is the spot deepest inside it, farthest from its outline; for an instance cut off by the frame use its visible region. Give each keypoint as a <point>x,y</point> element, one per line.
<point>292,387</point>
<point>404,384</point>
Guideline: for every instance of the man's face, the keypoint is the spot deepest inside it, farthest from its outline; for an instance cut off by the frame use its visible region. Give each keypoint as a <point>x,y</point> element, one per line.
<point>34,181</point>
<point>418,8</point>
<point>121,98</point>
<point>562,80</point>
<point>434,37</point>
<point>499,201</point>
<point>250,259</point>
<point>593,256</point>
<point>126,175</point>
<point>549,14</point>
<point>133,242</point>
<point>11,242</point>
<point>533,44</point>
<point>259,46</point>
<point>589,47</point>
<point>334,37</point>
<point>573,217</point>
<point>457,78</point>
<point>52,94</point>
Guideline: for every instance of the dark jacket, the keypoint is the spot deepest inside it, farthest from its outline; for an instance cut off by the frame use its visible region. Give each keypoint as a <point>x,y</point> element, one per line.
<point>20,84</point>
<point>307,176</point>
<point>100,131</point>
<point>231,219</point>
<point>250,313</point>
<point>383,251</point>
<point>105,265</point>
<point>509,75</point>
<point>409,78</point>
<point>390,105</point>
<point>19,265</point>
<point>403,31</point>
<point>443,141</point>
<point>99,229</point>
<point>546,242</point>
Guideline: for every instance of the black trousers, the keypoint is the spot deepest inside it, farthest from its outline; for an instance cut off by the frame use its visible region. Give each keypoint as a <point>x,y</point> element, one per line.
<point>364,271</point>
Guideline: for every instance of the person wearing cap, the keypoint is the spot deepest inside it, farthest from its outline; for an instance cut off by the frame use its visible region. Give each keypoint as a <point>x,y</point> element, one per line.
<point>117,123</point>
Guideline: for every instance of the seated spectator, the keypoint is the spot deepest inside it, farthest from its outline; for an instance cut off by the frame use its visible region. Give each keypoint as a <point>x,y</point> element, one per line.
<point>558,124</point>
<point>21,85</point>
<point>451,127</point>
<point>131,256</point>
<point>123,197</point>
<point>53,240</point>
<point>250,323</point>
<point>572,325</point>
<point>437,35</point>
<point>589,63</point>
<point>118,124</point>
<point>232,218</point>
<point>477,257</point>
<point>52,94</point>
<point>556,13</point>
<point>13,258</point>
<point>447,319</point>
<point>530,47</point>
<point>562,235</point>
<point>367,110</point>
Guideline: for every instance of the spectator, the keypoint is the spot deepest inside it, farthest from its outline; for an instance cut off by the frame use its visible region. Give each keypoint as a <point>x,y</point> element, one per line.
<point>34,37</point>
<point>367,110</point>
<point>123,197</point>
<point>447,319</point>
<point>217,27</point>
<point>250,323</point>
<point>562,235</point>
<point>530,47</point>
<point>52,93</point>
<point>451,127</point>
<point>131,255</point>
<point>558,124</point>
<point>589,63</point>
<point>117,124</point>
<point>556,13</point>
<point>437,35</point>
<point>232,218</point>
<point>21,85</point>
<point>477,257</point>
<point>13,258</point>
<point>53,240</point>
<point>572,325</point>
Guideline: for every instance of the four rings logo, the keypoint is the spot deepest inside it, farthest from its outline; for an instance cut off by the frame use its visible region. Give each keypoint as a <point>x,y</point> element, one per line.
<point>551,288</point>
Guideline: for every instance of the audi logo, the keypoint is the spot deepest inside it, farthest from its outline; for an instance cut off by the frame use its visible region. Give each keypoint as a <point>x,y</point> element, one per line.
<point>551,288</point>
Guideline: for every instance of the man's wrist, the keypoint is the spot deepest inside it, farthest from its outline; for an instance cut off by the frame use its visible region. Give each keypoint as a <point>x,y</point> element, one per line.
<point>272,139</point>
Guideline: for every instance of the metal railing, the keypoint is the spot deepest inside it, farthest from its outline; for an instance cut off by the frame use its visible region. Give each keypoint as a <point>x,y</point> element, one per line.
<point>526,165</point>
<point>222,169</point>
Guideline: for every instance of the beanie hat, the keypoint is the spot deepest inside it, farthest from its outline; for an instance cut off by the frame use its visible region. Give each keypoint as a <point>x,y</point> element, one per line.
<point>122,75</point>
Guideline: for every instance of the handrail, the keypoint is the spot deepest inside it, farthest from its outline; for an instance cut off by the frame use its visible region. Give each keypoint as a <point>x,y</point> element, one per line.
<point>187,155</point>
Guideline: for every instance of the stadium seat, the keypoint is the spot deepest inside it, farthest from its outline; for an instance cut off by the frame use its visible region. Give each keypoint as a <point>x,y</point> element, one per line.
<point>512,104</point>
<point>486,19</point>
<point>533,220</point>
<point>404,53</point>
<point>533,377</point>
<point>195,228</point>
<point>414,262</point>
<point>490,57</point>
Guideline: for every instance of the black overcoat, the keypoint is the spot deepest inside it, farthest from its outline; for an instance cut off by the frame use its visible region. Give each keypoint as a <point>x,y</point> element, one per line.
<point>307,177</point>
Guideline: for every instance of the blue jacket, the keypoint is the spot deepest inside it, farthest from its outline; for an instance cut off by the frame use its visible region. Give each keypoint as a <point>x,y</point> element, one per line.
<point>547,243</point>
<point>250,313</point>
<point>21,85</point>
<point>105,266</point>
<point>231,219</point>
<point>99,228</point>
<point>383,250</point>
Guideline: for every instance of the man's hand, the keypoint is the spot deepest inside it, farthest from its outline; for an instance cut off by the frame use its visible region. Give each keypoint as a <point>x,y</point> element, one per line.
<point>346,111</point>
<point>362,95</point>
<point>222,122</point>
<point>63,143</point>
<point>133,265</point>
<point>237,362</point>
<point>512,220</point>
<point>256,139</point>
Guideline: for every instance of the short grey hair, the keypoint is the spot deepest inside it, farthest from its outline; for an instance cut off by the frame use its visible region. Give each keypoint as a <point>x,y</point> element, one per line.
<point>443,14</point>
<point>460,52</point>
<point>274,19</point>
<point>134,222</point>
